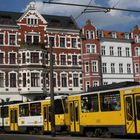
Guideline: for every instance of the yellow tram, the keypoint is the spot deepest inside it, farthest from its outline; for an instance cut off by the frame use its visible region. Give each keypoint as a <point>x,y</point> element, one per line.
<point>112,109</point>
<point>34,117</point>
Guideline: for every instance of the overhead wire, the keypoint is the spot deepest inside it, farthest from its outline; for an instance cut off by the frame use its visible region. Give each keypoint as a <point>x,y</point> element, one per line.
<point>100,7</point>
<point>84,10</point>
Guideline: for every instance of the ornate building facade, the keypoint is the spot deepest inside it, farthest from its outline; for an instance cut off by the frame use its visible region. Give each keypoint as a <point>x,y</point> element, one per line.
<point>25,40</point>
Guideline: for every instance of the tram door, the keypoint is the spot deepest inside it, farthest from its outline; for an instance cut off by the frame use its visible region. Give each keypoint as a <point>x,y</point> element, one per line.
<point>14,119</point>
<point>132,111</point>
<point>74,116</point>
<point>46,117</point>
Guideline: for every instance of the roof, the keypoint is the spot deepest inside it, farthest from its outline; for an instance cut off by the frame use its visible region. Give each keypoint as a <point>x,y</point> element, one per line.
<point>54,21</point>
<point>114,86</point>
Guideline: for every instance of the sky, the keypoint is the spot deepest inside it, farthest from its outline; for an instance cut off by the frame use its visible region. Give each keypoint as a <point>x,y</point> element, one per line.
<point>113,20</point>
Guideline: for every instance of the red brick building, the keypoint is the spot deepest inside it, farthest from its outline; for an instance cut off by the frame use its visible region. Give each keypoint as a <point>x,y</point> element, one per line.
<point>90,56</point>
<point>136,52</point>
<point>24,54</point>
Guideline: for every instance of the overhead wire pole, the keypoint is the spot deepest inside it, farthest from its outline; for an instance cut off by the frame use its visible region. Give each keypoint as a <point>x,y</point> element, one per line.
<point>98,7</point>
<point>53,133</point>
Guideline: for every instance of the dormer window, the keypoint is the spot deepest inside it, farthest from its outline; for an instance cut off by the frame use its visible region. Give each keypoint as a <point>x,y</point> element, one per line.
<point>126,35</point>
<point>100,33</point>
<point>32,21</point>
<point>113,35</point>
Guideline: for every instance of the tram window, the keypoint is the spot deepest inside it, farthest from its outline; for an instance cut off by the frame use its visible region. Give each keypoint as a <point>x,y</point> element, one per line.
<point>138,106</point>
<point>76,111</point>
<point>129,112</point>
<point>35,109</point>
<point>110,101</point>
<point>4,112</point>
<point>65,104</point>
<point>89,103</point>
<point>71,112</point>
<point>24,110</point>
<point>58,106</point>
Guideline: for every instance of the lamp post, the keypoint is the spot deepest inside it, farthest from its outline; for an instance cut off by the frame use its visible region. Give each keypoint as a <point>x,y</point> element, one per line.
<point>52,91</point>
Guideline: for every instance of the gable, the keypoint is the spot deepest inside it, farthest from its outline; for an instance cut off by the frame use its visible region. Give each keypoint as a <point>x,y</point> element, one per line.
<point>32,13</point>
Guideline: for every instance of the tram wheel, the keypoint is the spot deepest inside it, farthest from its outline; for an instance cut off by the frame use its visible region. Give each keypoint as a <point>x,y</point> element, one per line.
<point>89,133</point>
<point>98,132</point>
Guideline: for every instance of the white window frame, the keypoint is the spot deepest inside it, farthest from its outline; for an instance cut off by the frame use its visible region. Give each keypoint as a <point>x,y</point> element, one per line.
<point>9,58</point>
<point>95,83</point>
<point>111,50</point>
<point>15,39</point>
<point>112,67</point>
<point>3,79</point>
<point>61,79</point>
<point>137,69</point>
<point>95,66</point>
<point>16,79</point>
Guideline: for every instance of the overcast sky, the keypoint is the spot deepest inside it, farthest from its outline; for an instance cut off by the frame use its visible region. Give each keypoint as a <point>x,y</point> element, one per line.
<point>113,20</point>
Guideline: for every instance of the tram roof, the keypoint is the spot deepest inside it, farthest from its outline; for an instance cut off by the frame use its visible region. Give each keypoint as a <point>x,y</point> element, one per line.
<point>114,86</point>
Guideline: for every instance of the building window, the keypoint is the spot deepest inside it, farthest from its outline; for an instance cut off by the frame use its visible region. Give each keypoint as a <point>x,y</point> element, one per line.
<point>111,51</point>
<point>95,66</point>
<point>90,34</point>
<point>1,79</point>
<point>137,51</point>
<point>120,68</point>
<point>74,59</point>
<point>62,42</point>
<point>137,68</point>
<point>73,42</point>
<point>75,80</point>
<point>100,33</point>
<point>35,79</point>
<point>87,85</point>
<point>24,79</point>
<point>34,57</point>
<point>32,21</point>
<point>12,58</point>
<point>64,80</point>
<point>12,39</point>
<point>127,50</point>
<point>87,67</point>
<point>103,50</point>
<point>13,80</point>
<point>51,41</point>
<point>128,68</point>
<point>105,83</point>
<point>137,38</point>
<point>119,51</point>
<point>29,39</point>
<point>104,68</point>
<point>126,35</point>
<point>36,40</point>
<point>113,35</point>
<point>95,83</point>
<point>24,58</point>
<point>63,59</point>
<point>1,39</point>
<point>112,67</point>
<point>32,39</point>
<point>90,48</point>
<point>1,58</point>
